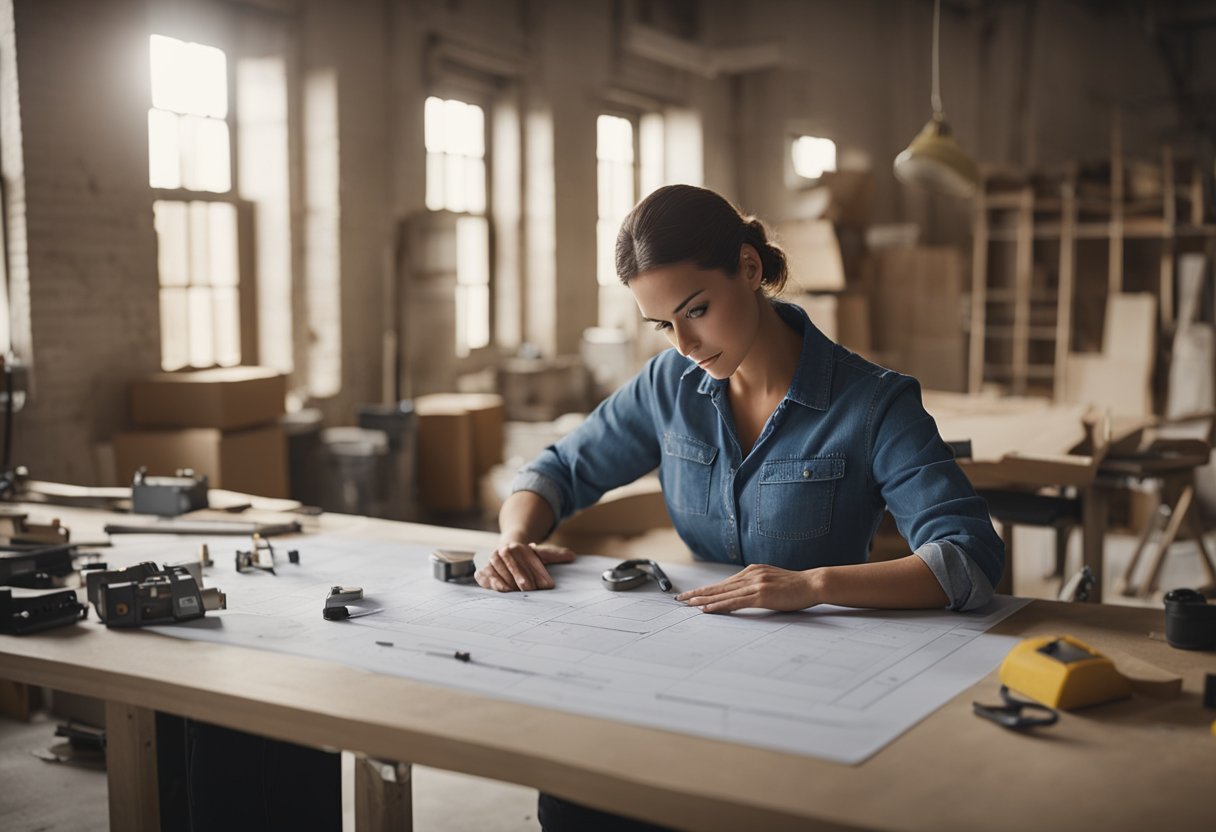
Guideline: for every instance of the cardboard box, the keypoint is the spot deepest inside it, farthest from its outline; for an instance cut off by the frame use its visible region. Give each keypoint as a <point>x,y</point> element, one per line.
<point>225,397</point>
<point>252,461</point>
<point>445,455</point>
<point>916,303</point>
<point>487,413</point>
<point>813,252</point>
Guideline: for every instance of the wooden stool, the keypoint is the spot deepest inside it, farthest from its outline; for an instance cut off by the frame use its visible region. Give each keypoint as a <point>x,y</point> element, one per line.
<point>1173,463</point>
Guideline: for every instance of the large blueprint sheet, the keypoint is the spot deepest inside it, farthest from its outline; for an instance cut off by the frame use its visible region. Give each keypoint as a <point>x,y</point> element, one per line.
<point>827,682</point>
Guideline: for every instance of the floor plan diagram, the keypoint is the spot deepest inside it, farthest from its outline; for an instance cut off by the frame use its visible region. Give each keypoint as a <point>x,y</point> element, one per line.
<point>826,682</point>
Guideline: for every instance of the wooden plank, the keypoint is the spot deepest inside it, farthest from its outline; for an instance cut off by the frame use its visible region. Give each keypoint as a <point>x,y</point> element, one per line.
<point>131,767</point>
<point>1023,277</point>
<point>979,291</point>
<point>1068,252</point>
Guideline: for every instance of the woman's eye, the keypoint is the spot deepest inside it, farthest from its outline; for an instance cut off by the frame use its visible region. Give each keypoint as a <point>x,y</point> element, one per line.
<point>697,311</point>
<point>662,325</point>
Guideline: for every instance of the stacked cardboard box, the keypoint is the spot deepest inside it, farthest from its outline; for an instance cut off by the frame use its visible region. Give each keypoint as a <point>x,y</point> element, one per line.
<point>223,423</point>
<point>460,438</point>
<point>916,305</point>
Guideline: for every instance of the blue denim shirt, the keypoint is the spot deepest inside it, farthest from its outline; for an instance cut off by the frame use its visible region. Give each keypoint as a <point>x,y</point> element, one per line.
<point>848,439</point>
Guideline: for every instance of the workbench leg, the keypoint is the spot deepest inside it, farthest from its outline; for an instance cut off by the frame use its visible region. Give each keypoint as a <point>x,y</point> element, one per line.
<point>383,799</point>
<point>1093,536</point>
<point>131,767</point>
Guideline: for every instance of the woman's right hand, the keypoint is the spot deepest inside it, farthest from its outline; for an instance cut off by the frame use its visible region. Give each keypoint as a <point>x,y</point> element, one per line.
<point>515,566</point>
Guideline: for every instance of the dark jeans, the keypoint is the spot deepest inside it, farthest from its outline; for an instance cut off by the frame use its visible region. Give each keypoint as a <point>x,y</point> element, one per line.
<point>214,778</point>
<point>557,815</point>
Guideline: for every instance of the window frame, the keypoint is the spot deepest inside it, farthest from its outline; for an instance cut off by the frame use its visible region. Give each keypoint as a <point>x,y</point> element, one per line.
<point>470,92</point>
<point>247,312</point>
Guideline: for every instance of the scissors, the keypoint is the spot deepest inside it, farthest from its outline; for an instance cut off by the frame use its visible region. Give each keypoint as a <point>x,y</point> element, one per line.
<point>1017,714</point>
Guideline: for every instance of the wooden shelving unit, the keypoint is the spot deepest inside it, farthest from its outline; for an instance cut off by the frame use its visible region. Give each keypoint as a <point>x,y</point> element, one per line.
<point>1029,239</point>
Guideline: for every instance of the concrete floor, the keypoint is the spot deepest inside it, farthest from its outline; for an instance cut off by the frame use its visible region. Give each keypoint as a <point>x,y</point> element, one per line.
<point>36,795</point>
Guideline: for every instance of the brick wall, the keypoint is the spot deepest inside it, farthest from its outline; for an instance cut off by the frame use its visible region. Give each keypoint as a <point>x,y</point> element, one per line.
<point>87,263</point>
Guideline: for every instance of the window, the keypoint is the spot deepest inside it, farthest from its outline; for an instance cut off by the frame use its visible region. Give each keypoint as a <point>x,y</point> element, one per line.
<point>456,182</point>
<point>190,167</point>
<point>813,156</point>
<point>616,178</point>
<point>631,161</point>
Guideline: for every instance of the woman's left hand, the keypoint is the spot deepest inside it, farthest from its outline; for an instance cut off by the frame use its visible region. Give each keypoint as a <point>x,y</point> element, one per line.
<point>765,587</point>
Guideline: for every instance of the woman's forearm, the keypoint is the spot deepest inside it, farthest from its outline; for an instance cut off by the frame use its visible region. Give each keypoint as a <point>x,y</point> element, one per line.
<point>525,517</point>
<point>904,583</point>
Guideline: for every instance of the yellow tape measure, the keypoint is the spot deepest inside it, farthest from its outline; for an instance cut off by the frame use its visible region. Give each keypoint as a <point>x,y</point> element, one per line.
<point>1063,672</point>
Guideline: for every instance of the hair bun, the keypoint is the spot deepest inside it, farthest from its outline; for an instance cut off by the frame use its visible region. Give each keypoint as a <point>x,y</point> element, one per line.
<point>772,256</point>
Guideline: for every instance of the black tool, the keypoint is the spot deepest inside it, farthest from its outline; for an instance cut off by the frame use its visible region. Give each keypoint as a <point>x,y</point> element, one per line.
<point>30,613</point>
<point>168,496</point>
<point>1209,690</point>
<point>261,556</point>
<point>335,604</point>
<point>1190,621</point>
<point>34,566</point>
<point>630,574</point>
<point>147,594</point>
<point>1016,714</point>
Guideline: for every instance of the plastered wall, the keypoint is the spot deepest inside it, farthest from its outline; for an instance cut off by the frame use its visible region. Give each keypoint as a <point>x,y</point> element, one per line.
<point>82,252</point>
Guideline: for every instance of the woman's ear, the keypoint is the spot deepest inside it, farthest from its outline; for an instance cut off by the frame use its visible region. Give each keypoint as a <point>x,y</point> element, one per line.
<point>751,268</point>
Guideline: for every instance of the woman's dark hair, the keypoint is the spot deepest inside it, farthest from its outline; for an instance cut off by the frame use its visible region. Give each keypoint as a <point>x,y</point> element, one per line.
<point>684,224</point>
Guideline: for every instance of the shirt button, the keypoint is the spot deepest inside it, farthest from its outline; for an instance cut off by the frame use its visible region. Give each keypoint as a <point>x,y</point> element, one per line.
<point>805,473</point>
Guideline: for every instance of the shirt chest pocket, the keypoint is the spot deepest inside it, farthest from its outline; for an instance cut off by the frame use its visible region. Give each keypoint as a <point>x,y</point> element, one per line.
<point>687,473</point>
<point>794,498</point>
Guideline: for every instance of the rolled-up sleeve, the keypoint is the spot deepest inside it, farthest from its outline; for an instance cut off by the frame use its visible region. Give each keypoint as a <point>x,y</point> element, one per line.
<point>943,520</point>
<point>614,446</point>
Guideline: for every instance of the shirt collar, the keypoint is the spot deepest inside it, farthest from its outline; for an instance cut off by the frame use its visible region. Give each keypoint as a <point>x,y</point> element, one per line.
<point>812,383</point>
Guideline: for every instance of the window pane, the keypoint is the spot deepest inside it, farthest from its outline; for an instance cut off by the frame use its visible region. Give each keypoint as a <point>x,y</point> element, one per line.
<point>454,184</point>
<point>173,242</point>
<point>433,124</point>
<point>472,251</point>
<point>436,164</point>
<point>208,81</point>
<point>478,310</point>
<point>166,59</point>
<point>224,269</point>
<point>812,156</point>
<point>603,179</point>
<point>622,189</point>
<point>164,155</point>
<point>475,185</point>
<point>227,327</point>
<point>188,77</point>
<point>201,326</point>
<point>474,131</point>
<point>174,349</point>
<point>605,244</point>
<point>212,167</point>
<point>200,246</point>
<point>453,124</point>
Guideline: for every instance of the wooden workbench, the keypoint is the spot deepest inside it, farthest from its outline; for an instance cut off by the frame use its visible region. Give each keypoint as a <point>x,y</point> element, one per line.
<point>1138,764</point>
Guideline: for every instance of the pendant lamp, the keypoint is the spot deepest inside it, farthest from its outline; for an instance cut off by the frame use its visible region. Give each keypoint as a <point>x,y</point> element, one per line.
<point>934,160</point>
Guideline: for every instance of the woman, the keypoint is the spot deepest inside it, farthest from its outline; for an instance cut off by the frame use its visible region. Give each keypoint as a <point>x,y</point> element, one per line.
<point>777,449</point>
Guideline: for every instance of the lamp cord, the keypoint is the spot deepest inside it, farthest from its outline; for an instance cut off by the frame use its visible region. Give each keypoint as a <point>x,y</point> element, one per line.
<point>937,92</point>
